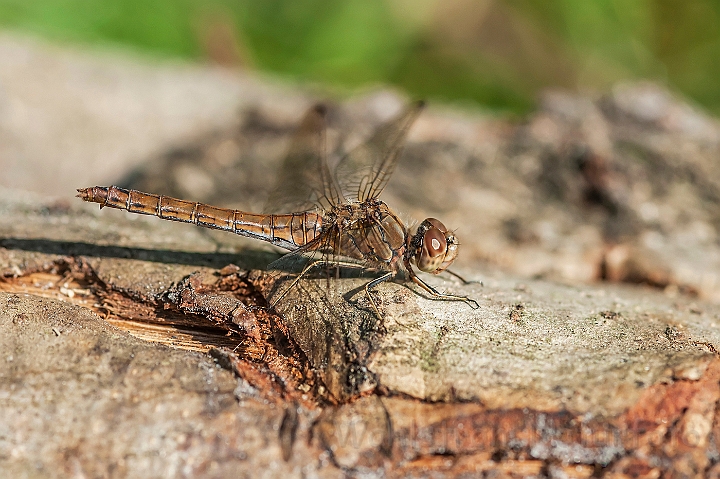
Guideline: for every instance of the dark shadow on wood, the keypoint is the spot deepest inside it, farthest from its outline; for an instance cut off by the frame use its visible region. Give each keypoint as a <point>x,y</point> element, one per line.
<point>247,259</point>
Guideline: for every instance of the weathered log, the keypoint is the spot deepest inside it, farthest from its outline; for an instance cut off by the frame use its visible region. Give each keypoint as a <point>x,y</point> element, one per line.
<point>130,347</point>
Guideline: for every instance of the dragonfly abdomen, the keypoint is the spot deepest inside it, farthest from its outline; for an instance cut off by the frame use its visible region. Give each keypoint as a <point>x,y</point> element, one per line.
<point>287,230</point>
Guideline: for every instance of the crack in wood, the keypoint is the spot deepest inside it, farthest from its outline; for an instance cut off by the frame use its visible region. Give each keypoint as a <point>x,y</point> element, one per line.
<point>206,312</point>
<point>674,425</point>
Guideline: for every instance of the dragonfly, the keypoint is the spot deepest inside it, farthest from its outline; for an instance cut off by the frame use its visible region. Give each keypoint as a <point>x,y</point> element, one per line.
<point>335,220</point>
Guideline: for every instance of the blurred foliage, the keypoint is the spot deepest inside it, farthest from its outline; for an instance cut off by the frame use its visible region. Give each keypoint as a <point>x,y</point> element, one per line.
<point>496,53</point>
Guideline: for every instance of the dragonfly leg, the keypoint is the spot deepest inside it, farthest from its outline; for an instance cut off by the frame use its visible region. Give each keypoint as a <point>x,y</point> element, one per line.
<point>297,278</point>
<point>342,264</point>
<point>444,296</point>
<point>465,281</point>
<point>372,284</point>
<point>369,284</point>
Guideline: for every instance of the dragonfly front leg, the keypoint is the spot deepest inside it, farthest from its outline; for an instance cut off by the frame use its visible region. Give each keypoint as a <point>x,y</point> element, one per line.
<point>465,281</point>
<point>437,294</point>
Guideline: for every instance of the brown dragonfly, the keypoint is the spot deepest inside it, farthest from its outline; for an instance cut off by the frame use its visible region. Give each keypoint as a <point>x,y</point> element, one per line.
<point>338,221</point>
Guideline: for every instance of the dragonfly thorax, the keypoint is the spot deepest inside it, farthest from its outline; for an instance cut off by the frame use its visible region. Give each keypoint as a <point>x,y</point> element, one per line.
<point>368,231</point>
<point>433,247</point>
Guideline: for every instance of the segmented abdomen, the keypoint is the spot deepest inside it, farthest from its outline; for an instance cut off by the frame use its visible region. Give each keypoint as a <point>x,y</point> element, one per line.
<point>287,231</point>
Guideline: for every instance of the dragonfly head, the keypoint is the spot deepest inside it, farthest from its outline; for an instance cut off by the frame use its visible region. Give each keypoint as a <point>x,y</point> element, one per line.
<point>434,247</point>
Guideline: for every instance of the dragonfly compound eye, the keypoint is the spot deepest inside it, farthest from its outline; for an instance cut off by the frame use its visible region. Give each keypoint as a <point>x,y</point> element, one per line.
<point>432,253</point>
<point>435,247</point>
<point>435,223</point>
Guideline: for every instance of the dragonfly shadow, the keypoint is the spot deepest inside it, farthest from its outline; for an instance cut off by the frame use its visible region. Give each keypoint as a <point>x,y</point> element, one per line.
<point>247,259</point>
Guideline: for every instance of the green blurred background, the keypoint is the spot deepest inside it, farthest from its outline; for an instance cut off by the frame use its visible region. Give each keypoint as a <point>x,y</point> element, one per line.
<point>498,54</point>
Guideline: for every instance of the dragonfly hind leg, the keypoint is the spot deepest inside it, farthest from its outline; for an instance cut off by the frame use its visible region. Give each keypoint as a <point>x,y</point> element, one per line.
<point>302,273</point>
<point>342,264</point>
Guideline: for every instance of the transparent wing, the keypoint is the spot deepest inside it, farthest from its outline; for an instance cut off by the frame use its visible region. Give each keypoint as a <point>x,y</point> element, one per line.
<point>325,245</point>
<point>334,248</point>
<point>304,181</point>
<point>364,172</point>
<point>285,270</point>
